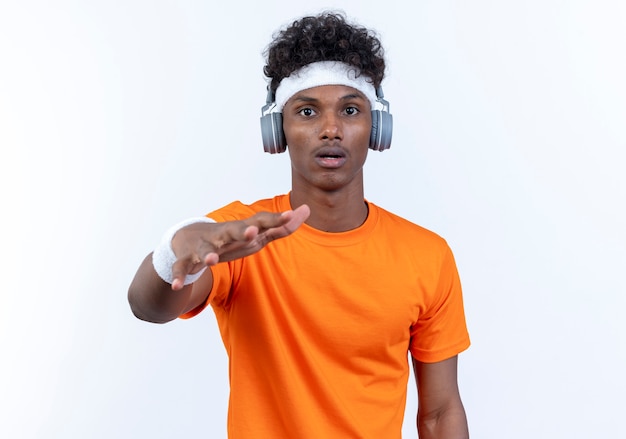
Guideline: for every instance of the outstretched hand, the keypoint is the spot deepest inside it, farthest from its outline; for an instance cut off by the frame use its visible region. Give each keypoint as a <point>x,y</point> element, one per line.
<point>204,244</point>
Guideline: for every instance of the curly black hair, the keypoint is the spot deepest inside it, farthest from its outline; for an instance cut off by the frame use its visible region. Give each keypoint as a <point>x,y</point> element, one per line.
<point>325,37</point>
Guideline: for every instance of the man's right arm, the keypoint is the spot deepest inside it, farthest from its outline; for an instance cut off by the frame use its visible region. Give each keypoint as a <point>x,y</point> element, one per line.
<point>201,245</point>
<point>153,300</point>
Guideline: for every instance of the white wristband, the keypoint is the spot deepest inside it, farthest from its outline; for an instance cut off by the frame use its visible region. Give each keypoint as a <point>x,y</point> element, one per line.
<point>163,257</point>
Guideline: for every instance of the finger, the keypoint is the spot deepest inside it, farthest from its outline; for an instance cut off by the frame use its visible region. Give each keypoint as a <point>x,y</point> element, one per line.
<point>297,217</point>
<point>178,284</point>
<point>178,274</point>
<point>211,258</point>
<point>266,220</point>
<point>229,233</point>
<point>208,253</point>
<point>182,267</point>
<point>242,247</point>
<point>250,232</point>
<point>293,220</point>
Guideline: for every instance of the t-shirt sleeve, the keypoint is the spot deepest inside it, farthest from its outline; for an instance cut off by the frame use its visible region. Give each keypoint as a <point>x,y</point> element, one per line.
<point>220,292</point>
<point>441,331</point>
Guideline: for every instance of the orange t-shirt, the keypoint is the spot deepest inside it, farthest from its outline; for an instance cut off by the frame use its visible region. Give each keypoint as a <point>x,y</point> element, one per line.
<point>317,325</point>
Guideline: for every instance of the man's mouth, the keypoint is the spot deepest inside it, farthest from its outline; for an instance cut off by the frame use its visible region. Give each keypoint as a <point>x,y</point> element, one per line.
<point>330,158</point>
<point>331,152</point>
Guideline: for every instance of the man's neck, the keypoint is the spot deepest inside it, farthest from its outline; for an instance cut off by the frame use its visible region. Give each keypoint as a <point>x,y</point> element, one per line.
<point>337,211</point>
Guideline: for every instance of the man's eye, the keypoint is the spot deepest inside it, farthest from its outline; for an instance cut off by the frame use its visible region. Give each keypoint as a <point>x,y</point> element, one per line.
<point>352,110</point>
<point>306,112</point>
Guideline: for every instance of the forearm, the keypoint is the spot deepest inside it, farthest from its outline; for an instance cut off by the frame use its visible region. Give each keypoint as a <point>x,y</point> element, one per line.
<point>447,424</point>
<point>152,299</point>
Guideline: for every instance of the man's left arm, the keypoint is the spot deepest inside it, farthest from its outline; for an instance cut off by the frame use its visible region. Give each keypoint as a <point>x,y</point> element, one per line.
<point>440,413</point>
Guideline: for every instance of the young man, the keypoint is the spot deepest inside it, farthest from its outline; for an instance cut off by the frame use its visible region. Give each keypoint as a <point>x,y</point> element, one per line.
<point>320,294</point>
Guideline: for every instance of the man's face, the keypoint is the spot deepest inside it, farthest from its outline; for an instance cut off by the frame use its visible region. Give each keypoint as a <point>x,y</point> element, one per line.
<point>327,129</point>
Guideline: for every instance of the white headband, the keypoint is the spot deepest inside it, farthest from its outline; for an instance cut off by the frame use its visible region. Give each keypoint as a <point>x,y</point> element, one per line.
<point>323,73</point>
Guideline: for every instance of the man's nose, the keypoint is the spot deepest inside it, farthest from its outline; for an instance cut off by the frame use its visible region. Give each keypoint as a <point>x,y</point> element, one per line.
<point>330,127</point>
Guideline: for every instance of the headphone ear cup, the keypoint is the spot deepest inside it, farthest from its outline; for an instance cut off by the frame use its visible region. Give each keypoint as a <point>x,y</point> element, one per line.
<point>274,137</point>
<point>382,127</point>
<point>272,133</point>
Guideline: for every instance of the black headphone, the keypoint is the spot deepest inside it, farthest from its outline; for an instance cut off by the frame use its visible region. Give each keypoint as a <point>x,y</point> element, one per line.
<point>274,137</point>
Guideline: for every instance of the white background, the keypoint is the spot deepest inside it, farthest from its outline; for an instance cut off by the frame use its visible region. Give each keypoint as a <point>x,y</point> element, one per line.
<point>119,118</point>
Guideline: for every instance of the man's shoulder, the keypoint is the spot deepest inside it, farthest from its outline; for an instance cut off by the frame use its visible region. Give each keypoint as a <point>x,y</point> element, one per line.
<point>397,224</point>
